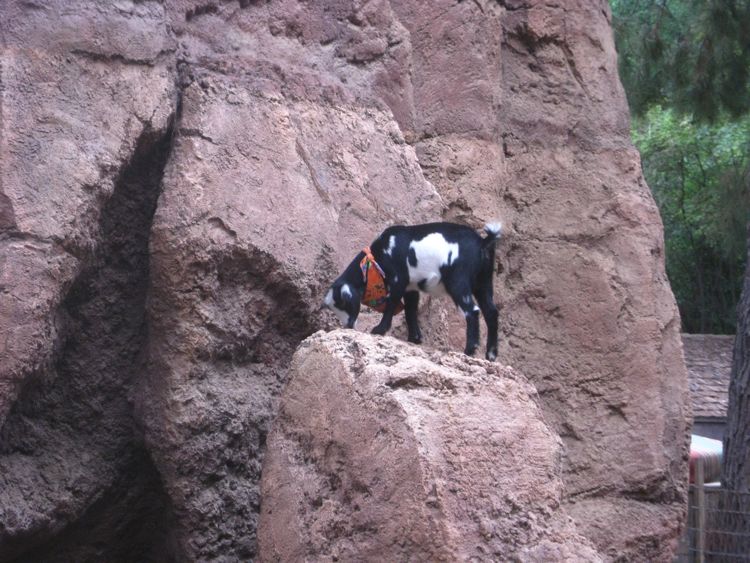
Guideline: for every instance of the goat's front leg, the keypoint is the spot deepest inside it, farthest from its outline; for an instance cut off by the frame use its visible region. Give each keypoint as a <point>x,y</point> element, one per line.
<point>396,287</point>
<point>390,308</point>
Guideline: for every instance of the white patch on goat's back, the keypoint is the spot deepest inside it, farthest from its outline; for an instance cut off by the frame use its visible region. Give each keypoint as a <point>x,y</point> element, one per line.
<point>345,290</point>
<point>391,245</point>
<point>432,252</point>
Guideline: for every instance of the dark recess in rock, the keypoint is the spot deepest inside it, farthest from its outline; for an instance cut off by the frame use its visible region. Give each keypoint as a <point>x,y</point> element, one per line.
<point>201,10</point>
<point>76,483</point>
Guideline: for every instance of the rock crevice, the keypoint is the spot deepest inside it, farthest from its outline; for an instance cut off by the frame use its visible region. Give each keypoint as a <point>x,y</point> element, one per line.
<point>71,458</point>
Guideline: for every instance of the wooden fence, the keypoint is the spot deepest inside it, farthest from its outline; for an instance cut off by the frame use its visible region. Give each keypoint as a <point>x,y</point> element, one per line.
<point>718,528</point>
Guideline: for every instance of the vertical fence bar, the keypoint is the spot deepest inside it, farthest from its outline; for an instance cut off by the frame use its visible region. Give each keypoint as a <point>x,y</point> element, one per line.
<point>700,501</point>
<point>690,555</point>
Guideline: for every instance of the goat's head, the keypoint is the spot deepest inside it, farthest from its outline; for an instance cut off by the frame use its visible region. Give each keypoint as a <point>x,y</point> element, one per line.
<point>343,299</point>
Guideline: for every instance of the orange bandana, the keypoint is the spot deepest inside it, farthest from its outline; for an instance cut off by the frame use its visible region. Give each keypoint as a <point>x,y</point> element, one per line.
<point>376,291</point>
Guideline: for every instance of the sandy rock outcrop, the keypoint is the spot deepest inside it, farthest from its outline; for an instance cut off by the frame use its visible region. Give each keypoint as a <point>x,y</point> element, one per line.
<point>384,451</point>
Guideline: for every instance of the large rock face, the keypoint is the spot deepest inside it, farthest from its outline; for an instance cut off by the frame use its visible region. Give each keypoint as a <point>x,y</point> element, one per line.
<point>385,452</point>
<point>141,364</point>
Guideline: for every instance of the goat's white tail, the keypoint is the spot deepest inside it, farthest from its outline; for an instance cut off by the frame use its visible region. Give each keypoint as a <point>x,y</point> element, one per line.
<point>493,230</point>
<point>488,246</point>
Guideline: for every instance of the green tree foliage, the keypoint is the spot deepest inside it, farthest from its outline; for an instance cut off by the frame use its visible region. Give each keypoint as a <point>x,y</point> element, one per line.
<point>685,66</point>
<point>690,55</point>
<point>698,175</point>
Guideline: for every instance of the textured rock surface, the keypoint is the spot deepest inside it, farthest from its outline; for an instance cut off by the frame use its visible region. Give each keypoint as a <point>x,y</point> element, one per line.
<point>383,451</point>
<point>292,133</point>
<point>587,311</point>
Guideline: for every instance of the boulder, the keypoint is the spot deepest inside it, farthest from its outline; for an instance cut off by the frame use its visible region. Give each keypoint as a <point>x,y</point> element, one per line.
<point>384,451</point>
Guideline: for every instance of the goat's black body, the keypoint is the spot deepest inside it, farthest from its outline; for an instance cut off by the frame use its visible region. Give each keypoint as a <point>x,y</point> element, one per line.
<point>433,258</point>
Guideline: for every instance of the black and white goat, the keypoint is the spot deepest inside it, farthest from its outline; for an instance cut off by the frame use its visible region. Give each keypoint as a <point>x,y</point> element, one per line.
<point>436,258</point>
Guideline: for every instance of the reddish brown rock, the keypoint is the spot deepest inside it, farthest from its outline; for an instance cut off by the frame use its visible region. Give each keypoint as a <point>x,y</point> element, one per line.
<point>524,119</point>
<point>79,87</point>
<point>383,451</point>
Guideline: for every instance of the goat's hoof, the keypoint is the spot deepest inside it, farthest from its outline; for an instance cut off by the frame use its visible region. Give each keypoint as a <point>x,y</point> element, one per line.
<point>415,339</point>
<point>491,355</point>
<point>470,351</point>
<point>378,330</point>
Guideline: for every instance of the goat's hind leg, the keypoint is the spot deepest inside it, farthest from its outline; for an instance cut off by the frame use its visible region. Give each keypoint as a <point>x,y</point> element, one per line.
<point>411,305</point>
<point>463,300</point>
<point>490,314</point>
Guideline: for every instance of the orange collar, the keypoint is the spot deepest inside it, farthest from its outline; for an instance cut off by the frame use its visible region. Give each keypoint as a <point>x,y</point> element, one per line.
<point>376,290</point>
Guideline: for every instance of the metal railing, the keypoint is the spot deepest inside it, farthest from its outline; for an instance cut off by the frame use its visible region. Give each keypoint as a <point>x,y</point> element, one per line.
<point>718,527</point>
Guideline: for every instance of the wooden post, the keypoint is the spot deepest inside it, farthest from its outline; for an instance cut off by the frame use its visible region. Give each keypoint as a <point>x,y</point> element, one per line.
<point>700,501</point>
